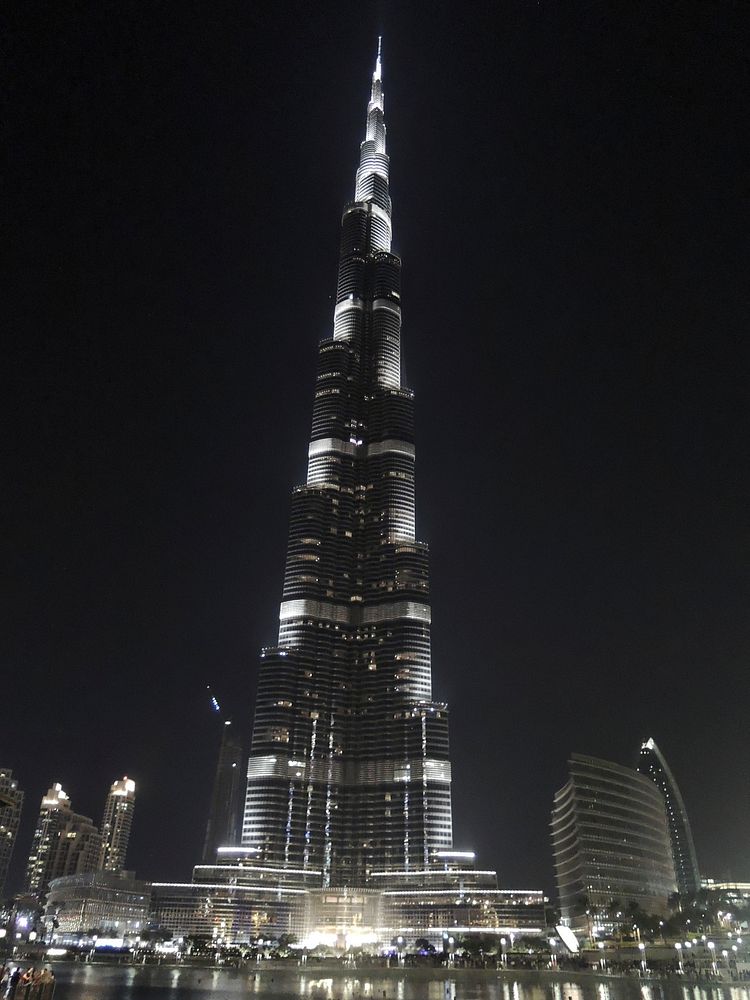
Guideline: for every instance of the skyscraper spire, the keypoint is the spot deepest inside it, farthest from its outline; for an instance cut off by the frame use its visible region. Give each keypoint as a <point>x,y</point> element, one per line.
<point>377,75</point>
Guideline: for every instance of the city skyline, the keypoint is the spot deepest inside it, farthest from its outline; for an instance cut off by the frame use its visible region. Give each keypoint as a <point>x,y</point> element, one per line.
<point>580,452</point>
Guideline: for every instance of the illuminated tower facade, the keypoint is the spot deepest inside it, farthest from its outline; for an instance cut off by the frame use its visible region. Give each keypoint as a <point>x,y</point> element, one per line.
<point>349,770</point>
<point>64,843</point>
<point>117,824</point>
<point>652,763</point>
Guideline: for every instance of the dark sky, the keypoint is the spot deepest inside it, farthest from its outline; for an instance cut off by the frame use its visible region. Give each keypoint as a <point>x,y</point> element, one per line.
<point>569,184</point>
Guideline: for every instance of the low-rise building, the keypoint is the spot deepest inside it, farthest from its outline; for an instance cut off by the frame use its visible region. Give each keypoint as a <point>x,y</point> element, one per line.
<point>107,904</point>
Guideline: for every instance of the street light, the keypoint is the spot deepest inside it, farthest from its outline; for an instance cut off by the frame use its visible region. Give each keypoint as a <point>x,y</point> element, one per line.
<point>642,950</point>
<point>678,948</point>
<point>503,956</point>
<point>711,947</point>
<point>553,952</point>
<point>602,959</point>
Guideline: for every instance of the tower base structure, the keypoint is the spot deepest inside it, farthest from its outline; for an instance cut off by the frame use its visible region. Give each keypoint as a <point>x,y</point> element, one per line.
<point>240,901</point>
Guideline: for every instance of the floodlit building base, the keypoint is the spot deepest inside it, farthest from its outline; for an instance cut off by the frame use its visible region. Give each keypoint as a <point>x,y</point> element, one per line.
<point>240,903</point>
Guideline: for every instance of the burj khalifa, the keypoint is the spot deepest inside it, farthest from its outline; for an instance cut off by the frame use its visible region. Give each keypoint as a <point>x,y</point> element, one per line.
<point>347,831</point>
<point>349,770</point>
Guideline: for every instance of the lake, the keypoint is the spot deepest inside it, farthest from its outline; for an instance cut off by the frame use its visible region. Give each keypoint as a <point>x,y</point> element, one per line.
<point>107,982</point>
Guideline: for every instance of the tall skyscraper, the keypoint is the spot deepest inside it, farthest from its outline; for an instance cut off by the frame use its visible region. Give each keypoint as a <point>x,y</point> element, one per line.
<point>652,763</point>
<point>11,802</point>
<point>349,775</point>
<point>64,843</point>
<point>349,770</point>
<point>116,825</point>
<point>223,826</point>
<point>610,843</point>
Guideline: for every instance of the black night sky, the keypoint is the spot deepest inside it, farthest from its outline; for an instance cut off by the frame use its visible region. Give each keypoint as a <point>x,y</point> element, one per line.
<point>569,184</point>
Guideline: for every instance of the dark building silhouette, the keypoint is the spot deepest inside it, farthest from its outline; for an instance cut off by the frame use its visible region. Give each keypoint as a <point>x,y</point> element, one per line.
<point>11,803</point>
<point>223,827</point>
<point>652,763</point>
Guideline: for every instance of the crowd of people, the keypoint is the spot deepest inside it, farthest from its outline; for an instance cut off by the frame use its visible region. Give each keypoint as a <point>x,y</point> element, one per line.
<point>26,984</point>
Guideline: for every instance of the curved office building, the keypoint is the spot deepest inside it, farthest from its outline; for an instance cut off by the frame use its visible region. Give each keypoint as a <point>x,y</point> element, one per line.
<point>610,843</point>
<point>652,763</point>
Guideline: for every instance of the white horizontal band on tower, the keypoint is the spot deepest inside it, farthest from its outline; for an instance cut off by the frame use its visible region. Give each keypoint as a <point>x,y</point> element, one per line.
<point>394,610</point>
<point>315,609</point>
<point>369,206</point>
<point>387,305</point>
<point>347,304</point>
<point>324,445</point>
<point>364,772</point>
<point>391,446</point>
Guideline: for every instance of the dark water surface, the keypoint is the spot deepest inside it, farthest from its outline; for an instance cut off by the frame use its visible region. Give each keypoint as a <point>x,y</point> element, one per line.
<point>101,982</point>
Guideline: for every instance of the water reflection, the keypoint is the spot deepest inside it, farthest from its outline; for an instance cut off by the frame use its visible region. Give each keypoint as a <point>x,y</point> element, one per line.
<point>76,982</point>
